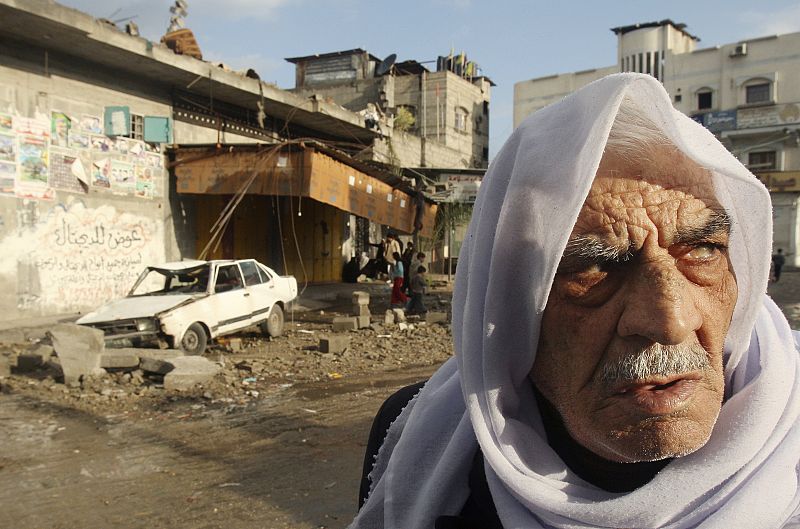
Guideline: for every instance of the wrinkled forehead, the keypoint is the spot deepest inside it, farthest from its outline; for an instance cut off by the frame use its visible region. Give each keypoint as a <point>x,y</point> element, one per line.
<point>662,167</point>
<point>658,187</point>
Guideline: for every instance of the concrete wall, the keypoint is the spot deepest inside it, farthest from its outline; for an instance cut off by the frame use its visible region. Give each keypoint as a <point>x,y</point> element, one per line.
<point>67,246</point>
<point>531,95</point>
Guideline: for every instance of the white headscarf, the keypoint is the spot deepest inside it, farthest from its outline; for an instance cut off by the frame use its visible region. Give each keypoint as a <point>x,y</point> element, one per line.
<point>746,476</point>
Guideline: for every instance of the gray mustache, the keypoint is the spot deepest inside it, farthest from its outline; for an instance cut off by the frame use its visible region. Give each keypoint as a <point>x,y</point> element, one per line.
<point>656,360</point>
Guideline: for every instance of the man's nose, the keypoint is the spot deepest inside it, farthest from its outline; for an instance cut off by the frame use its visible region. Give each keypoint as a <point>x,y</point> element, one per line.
<point>659,305</point>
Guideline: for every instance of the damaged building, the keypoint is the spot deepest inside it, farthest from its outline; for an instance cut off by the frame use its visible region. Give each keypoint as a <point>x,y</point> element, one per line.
<point>427,117</point>
<point>117,152</point>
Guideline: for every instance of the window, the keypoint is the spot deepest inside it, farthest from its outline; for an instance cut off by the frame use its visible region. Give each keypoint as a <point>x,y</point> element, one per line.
<point>137,127</point>
<point>250,273</point>
<point>761,161</point>
<point>678,98</point>
<point>228,278</point>
<point>704,100</point>
<point>461,119</point>
<point>757,93</point>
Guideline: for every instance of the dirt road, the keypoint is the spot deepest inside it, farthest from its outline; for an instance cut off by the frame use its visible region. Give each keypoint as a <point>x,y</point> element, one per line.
<point>289,460</point>
<point>276,441</point>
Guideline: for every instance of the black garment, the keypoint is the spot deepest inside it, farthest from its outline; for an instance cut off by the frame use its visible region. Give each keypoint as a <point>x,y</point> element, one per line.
<point>479,510</point>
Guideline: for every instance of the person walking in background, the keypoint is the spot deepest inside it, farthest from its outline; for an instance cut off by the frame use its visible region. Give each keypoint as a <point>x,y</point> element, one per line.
<point>408,255</point>
<point>392,247</point>
<point>778,260</point>
<point>398,298</point>
<point>418,287</point>
<point>418,261</point>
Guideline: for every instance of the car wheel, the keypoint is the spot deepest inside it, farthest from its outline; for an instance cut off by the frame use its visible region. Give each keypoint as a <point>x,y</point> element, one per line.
<point>194,340</point>
<point>273,326</point>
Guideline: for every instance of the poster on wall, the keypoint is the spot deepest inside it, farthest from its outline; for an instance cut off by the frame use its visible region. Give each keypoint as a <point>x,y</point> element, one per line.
<point>8,177</point>
<point>6,123</point>
<point>62,177</point>
<point>101,143</point>
<point>100,173</point>
<point>59,129</point>
<point>122,176</point>
<point>92,124</point>
<point>8,148</point>
<point>144,181</point>
<point>33,163</point>
<point>79,140</point>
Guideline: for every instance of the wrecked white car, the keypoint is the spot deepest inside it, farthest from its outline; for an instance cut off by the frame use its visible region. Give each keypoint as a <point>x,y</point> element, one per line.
<point>188,303</point>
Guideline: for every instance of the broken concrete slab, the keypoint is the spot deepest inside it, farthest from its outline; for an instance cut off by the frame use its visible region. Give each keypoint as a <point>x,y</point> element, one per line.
<point>189,371</point>
<point>364,322</point>
<point>78,348</point>
<point>5,366</point>
<point>361,310</point>
<point>333,343</point>
<point>403,326</point>
<point>11,336</point>
<point>399,315</point>
<point>123,358</point>
<point>235,344</point>
<point>342,323</point>
<point>360,297</point>
<point>158,354</point>
<point>436,317</point>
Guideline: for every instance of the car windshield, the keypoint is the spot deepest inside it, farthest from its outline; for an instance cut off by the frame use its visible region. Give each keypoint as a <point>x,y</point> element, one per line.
<point>159,281</point>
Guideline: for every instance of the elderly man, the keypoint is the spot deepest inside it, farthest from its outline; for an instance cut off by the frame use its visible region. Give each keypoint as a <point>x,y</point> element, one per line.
<point>617,361</point>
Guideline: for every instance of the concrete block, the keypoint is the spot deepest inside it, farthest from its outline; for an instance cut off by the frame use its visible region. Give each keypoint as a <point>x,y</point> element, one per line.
<point>361,310</point>
<point>119,359</point>
<point>13,336</point>
<point>5,366</point>
<point>388,318</point>
<point>333,343</point>
<point>78,348</point>
<point>436,317</point>
<point>189,371</point>
<point>158,354</point>
<point>235,344</point>
<point>399,315</point>
<point>341,324</point>
<point>360,297</point>
<point>403,326</point>
<point>364,322</point>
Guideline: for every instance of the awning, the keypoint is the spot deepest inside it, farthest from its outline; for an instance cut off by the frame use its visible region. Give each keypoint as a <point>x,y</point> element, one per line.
<point>300,172</point>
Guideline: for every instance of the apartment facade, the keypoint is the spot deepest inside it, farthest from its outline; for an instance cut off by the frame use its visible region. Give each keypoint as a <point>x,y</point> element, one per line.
<point>747,93</point>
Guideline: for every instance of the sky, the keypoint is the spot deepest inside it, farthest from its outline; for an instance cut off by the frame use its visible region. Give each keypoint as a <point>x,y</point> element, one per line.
<point>511,41</point>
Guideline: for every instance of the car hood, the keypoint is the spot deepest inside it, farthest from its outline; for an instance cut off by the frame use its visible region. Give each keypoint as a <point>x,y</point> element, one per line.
<point>135,307</point>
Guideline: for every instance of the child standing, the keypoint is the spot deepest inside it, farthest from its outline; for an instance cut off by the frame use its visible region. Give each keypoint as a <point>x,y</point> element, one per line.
<point>418,288</point>
<point>398,298</point>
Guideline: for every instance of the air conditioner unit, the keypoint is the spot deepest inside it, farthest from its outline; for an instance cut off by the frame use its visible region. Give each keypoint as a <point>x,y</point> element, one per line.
<point>740,50</point>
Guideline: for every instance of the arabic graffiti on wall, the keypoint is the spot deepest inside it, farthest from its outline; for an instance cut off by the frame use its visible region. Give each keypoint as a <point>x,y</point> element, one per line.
<point>76,258</point>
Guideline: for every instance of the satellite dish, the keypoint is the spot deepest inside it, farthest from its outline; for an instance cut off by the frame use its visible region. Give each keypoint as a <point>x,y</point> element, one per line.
<point>386,65</point>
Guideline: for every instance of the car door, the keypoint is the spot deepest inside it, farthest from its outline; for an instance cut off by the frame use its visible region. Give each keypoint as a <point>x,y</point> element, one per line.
<point>261,288</point>
<point>231,301</point>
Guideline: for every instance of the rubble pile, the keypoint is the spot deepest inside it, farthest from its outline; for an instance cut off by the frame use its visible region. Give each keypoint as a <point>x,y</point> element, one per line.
<point>71,362</point>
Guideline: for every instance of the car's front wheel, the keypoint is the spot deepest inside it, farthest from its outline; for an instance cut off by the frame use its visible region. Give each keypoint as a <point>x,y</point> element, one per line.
<point>273,325</point>
<point>194,340</point>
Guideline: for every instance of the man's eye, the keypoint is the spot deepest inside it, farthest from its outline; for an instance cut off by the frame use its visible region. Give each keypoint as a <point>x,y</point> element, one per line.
<point>703,252</point>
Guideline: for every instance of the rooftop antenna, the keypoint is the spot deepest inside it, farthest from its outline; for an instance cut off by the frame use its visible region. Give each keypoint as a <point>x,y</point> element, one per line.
<point>386,65</point>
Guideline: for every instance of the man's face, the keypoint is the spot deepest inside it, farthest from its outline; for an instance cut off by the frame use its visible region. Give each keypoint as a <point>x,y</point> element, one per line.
<point>630,352</point>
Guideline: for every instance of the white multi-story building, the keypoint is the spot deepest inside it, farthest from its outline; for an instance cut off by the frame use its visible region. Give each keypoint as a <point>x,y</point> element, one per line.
<point>747,93</point>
